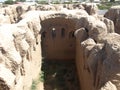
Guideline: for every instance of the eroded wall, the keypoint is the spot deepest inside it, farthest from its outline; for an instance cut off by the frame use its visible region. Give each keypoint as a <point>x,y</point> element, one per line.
<point>97,55</point>
<point>20,54</point>
<point>95,48</point>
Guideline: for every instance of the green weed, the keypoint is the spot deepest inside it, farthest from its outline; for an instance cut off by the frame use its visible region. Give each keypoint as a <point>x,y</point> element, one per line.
<point>34,85</point>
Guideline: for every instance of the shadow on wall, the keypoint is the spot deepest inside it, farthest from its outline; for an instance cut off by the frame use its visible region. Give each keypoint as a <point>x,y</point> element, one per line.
<point>60,75</point>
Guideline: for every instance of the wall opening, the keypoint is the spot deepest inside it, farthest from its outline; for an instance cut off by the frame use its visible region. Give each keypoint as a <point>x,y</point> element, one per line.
<point>63,32</point>
<point>71,34</point>
<point>53,32</point>
<point>43,35</point>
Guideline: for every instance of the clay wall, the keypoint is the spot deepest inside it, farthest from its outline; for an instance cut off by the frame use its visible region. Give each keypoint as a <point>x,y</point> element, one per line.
<point>85,79</point>
<point>58,41</point>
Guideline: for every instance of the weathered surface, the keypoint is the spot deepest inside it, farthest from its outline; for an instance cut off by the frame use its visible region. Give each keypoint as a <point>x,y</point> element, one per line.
<point>4,19</point>
<point>109,23</point>
<point>97,56</point>
<point>91,8</point>
<point>17,41</point>
<point>114,14</point>
<point>95,47</point>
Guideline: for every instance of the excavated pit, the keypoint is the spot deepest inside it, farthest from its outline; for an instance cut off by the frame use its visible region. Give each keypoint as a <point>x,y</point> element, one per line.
<point>71,52</point>
<point>60,75</point>
<point>58,52</point>
<point>74,47</point>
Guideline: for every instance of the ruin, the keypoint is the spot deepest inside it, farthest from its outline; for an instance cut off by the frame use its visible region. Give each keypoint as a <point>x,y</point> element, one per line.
<point>57,32</point>
<point>80,41</point>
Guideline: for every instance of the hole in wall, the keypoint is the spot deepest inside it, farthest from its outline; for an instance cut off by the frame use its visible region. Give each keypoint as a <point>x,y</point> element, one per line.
<point>53,32</point>
<point>63,32</point>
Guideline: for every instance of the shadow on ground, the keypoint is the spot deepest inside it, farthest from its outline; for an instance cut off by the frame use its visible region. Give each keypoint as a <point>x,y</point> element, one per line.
<point>60,75</point>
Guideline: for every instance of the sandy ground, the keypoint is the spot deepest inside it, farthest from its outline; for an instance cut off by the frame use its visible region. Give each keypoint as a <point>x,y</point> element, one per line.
<point>37,66</point>
<point>40,86</point>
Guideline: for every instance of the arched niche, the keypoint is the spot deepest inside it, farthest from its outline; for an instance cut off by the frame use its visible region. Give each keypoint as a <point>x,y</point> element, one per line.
<point>57,37</point>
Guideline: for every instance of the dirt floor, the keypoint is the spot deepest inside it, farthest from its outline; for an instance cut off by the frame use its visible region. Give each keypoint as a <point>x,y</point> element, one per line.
<point>54,74</point>
<point>58,75</point>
